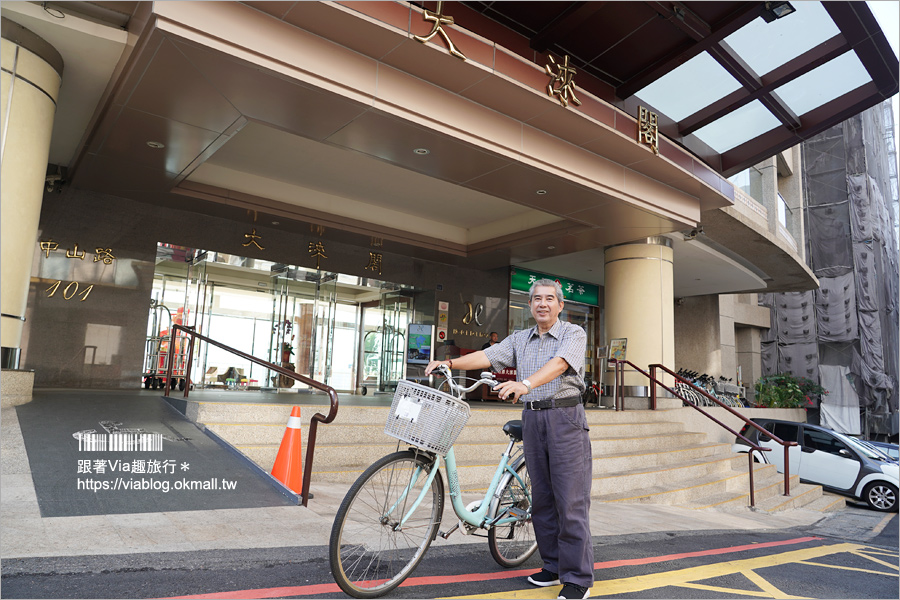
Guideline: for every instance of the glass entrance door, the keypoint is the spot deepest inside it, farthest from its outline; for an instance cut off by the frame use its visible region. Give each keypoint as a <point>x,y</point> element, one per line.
<point>322,334</point>
<point>395,311</point>
<point>304,314</point>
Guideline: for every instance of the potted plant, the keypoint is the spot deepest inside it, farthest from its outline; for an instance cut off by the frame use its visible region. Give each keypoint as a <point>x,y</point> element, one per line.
<point>786,391</point>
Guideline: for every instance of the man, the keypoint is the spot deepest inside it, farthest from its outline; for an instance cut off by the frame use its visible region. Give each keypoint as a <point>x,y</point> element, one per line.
<point>549,362</point>
<point>492,339</point>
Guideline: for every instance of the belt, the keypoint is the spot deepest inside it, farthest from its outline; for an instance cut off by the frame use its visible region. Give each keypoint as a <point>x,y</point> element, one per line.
<point>557,403</point>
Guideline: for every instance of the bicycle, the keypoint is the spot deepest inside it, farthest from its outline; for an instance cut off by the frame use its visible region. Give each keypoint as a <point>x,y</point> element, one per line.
<point>393,511</point>
<point>591,393</point>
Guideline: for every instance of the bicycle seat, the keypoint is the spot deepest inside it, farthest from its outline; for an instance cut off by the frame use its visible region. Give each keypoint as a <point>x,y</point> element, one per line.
<point>514,429</point>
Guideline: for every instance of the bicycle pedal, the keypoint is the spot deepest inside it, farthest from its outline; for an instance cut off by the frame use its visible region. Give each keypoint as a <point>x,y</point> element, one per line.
<point>518,512</point>
<point>447,534</point>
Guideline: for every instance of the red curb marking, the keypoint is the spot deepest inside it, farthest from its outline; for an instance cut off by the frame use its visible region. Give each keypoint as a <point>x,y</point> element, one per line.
<point>332,588</point>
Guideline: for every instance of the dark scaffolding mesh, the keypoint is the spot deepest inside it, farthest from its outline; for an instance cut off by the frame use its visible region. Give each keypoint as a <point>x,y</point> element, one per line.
<point>836,309</point>
<point>852,319</point>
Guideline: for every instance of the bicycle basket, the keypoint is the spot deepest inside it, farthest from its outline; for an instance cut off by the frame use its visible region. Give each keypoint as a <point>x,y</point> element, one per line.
<point>426,418</point>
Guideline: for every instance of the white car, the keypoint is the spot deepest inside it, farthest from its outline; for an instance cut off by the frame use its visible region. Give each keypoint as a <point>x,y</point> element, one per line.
<point>837,462</point>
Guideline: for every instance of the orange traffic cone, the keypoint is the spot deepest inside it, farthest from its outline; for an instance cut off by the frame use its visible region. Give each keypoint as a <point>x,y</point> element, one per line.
<point>288,467</point>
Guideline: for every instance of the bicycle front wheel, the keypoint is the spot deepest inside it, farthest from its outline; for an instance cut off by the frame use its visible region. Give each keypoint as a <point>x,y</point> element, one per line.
<point>513,543</point>
<point>370,552</point>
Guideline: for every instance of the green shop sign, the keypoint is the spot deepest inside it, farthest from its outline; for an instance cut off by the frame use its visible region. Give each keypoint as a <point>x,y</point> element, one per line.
<point>575,291</point>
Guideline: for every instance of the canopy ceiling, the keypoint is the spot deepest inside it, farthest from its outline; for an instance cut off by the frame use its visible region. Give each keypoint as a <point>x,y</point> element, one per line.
<point>728,85</point>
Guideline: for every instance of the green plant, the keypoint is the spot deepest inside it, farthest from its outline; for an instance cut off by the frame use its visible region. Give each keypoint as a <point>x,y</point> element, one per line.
<point>786,391</point>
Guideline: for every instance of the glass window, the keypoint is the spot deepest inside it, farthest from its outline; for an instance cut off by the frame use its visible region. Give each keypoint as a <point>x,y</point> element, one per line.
<point>786,432</point>
<point>825,83</point>
<point>783,211</point>
<point>737,127</point>
<point>685,90</point>
<point>765,46</point>
<point>819,440</point>
<point>750,182</point>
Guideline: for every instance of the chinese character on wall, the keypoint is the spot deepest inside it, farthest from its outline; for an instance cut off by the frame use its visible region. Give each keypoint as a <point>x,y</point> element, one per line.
<point>438,20</point>
<point>648,129</point>
<point>104,254</point>
<point>375,259</point>
<point>74,253</point>
<point>562,82</point>
<point>251,239</point>
<point>49,246</point>
<point>317,251</point>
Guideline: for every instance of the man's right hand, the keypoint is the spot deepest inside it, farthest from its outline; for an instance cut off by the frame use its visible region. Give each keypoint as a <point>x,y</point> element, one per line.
<point>434,365</point>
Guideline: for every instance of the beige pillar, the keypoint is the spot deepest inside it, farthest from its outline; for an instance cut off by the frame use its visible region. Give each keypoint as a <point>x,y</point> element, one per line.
<point>31,76</point>
<point>639,297</point>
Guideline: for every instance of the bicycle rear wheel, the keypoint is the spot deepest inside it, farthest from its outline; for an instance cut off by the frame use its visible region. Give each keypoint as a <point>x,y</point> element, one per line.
<point>513,543</point>
<point>370,554</point>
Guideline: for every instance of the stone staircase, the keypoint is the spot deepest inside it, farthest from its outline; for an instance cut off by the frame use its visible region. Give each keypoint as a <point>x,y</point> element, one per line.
<point>640,456</point>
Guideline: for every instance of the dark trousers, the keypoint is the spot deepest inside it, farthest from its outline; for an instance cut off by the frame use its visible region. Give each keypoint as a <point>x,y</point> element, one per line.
<point>558,455</point>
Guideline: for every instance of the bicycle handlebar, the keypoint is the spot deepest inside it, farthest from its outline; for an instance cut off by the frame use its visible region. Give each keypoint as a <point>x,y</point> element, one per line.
<point>457,390</point>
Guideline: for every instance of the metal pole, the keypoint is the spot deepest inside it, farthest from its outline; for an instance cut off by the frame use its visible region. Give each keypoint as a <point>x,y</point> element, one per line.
<point>787,471</point>
<point>752,497</point>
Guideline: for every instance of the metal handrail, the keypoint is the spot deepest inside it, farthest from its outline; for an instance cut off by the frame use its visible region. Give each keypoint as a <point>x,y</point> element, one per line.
<point>313,422</point>
<point>620,378</point>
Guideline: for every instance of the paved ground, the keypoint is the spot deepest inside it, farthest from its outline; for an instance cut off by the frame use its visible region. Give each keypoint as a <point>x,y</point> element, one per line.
<point>200,521</point>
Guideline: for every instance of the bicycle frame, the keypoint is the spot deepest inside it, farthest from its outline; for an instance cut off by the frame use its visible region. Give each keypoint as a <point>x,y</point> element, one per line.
<point>478,517</point>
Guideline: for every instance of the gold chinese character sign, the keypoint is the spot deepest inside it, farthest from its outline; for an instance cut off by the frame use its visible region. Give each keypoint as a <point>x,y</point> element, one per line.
<point>648,129</point>
<point>317,251</point>
<point>438,20</point>
<point>375,259</point>
<point>562,82</point>
<point>251,239</point>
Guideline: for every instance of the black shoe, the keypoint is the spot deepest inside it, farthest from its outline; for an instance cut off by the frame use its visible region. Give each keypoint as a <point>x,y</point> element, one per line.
<point>570,590</point>
<point>544,578</point>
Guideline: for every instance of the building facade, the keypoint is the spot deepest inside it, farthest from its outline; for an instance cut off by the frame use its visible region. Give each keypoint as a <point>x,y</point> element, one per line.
<point>311,180</point>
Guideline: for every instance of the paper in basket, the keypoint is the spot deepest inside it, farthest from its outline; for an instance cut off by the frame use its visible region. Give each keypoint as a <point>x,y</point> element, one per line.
<point>408,409</point>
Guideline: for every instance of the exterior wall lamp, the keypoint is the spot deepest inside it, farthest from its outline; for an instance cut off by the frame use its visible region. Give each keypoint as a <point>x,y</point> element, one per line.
<point>776,10</point>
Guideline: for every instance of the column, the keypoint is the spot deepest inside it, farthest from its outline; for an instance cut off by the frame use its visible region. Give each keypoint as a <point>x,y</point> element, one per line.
<point>639,298</point>
<point>31,77</point>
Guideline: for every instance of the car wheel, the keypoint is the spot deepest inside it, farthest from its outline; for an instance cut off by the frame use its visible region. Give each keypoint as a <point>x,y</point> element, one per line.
<point>881,496</point>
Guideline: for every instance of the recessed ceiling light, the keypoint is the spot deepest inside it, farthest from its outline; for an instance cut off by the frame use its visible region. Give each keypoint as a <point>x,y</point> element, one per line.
<point>541,192</point>
<point>551,247</point>
<point>276,222</point>
<point>156,144</point>
<point>422,151</point>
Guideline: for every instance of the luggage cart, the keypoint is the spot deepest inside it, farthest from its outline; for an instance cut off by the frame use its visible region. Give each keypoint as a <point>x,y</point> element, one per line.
<point>156,352</point>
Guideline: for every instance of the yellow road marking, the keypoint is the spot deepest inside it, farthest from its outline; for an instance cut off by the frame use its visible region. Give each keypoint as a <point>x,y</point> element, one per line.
<point>880,562</point>
<point>879,552</point>
<point>721,590</point>
<point>630,585</point>
<point>765,586</point>
<point>815,564</point>
<point>882,524</point>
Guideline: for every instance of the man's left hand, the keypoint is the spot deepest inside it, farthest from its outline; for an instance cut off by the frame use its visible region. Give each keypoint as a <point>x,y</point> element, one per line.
<point>516,389</point>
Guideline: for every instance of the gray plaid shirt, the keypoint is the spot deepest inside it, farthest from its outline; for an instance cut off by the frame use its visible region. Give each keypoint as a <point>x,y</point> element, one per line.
<point>527,351</point>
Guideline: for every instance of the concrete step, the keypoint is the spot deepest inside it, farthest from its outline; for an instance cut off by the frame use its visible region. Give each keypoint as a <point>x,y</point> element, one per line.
<point>640,403</point>
<point>234,412</point>
<point>261,442</point>
<point>767,487</point>
<point>802,494</point>
<point>612,463</point>
<point>827,503</point>
<point>684,492</point>
<point>682,475</point>
<point>639,455</point>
